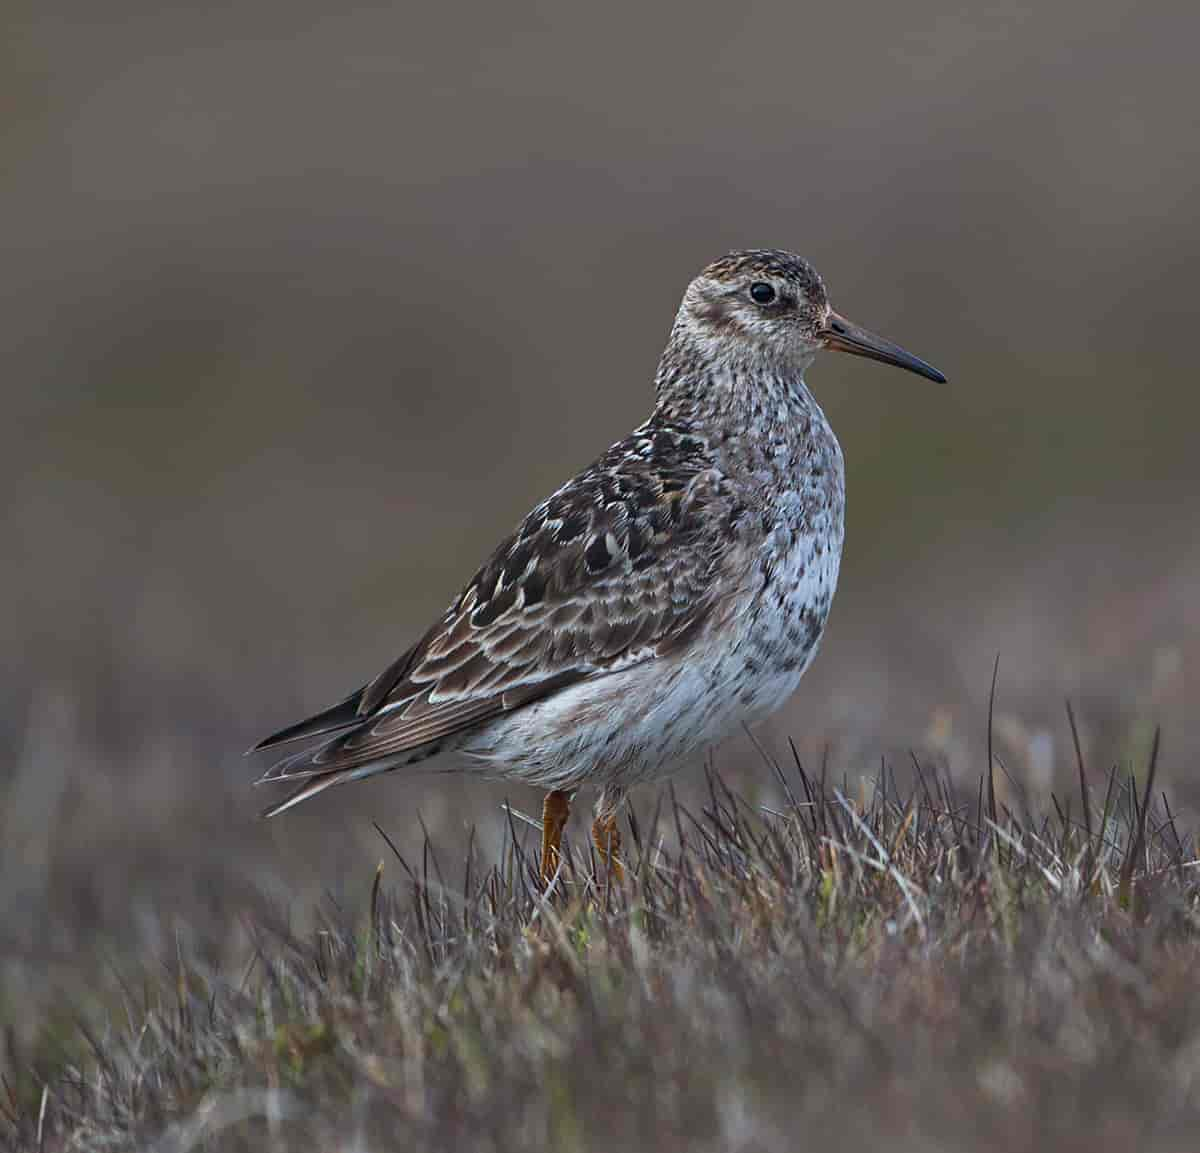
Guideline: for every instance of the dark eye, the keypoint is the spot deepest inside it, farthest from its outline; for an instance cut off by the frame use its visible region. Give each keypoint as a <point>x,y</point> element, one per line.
<point>761,292</point>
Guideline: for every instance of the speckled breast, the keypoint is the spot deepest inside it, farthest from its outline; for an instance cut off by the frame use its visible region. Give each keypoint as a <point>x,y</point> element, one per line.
<point>798,566</point>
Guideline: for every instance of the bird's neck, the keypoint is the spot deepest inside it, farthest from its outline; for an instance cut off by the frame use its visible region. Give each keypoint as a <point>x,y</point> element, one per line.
<point>760,425</point>
<point>730,387</point>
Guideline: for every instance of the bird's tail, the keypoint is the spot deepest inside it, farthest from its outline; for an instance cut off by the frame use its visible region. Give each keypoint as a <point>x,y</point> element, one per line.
<point>319,782</point>
<point>326,763</point>
<point>340,716</point>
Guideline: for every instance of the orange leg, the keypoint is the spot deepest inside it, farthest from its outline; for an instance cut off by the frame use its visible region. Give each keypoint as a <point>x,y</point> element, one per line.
<point>556,808</point>
<point>607,839</point>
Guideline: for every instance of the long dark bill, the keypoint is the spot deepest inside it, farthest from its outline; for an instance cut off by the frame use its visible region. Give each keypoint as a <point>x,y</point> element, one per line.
<point>842,336</point>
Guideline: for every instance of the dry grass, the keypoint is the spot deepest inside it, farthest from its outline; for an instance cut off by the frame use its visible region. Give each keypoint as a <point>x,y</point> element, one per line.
<point>916,968</point>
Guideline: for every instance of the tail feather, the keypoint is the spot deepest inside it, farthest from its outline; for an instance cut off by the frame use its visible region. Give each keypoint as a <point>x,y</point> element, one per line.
<point>318,784</point>
<point>297,766</point>
<point>315,769</point>
<point>340,716</point>
<point>317,780</point>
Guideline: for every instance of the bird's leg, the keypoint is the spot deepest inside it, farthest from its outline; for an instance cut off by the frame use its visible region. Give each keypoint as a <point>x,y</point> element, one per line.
<point>556,808</point>
<point>605,834</point>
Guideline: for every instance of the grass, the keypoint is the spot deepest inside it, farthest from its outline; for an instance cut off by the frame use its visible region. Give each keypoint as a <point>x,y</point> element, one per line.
<point>877,965</point>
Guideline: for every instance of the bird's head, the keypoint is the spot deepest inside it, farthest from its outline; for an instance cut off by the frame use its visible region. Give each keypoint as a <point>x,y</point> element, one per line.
<point>770,307</point>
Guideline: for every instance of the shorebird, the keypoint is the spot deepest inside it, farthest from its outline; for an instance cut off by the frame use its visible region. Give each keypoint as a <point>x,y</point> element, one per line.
<point>673,591</point>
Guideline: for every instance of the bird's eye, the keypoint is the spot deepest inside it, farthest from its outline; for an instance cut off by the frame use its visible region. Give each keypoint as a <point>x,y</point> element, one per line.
<point>761,292</point>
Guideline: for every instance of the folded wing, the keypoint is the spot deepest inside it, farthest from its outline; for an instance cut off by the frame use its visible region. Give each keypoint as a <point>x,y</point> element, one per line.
<point>614,569</point>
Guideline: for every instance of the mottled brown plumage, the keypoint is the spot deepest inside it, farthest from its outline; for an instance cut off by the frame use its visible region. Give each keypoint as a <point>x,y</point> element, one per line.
<point>678,585</point>
<point>605,573</point>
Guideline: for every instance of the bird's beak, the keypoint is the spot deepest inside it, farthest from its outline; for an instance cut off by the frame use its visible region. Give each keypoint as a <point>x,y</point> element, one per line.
<point>842,336</point>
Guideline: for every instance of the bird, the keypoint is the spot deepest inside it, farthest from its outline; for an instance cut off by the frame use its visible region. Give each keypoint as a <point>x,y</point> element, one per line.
<point>669,594</point>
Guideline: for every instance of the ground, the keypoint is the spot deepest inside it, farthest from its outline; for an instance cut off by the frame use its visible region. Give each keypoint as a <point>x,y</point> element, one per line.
<point>860,964</point>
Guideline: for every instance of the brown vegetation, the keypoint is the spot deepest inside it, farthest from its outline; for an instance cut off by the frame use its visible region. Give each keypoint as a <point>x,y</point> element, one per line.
<point>911,967</point>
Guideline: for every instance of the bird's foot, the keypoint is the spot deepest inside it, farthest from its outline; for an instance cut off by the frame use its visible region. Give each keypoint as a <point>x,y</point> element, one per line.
<point>607,839</point>
<point>556,808</point>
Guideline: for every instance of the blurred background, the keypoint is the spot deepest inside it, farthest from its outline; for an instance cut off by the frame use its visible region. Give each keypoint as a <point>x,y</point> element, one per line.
<point>305,305</point>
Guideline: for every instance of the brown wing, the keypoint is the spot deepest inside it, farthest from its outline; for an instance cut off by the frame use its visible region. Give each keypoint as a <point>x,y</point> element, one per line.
<point>613,569</point>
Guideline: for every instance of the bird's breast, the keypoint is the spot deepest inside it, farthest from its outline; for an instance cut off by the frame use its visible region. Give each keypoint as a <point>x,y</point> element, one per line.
<point>789,589</point>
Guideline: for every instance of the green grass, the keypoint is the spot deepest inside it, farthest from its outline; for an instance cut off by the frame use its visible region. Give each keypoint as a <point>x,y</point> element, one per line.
<point>914,968</point>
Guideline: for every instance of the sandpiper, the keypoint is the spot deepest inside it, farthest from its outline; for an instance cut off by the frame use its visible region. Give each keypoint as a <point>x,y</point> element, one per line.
<point>671,592</point>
